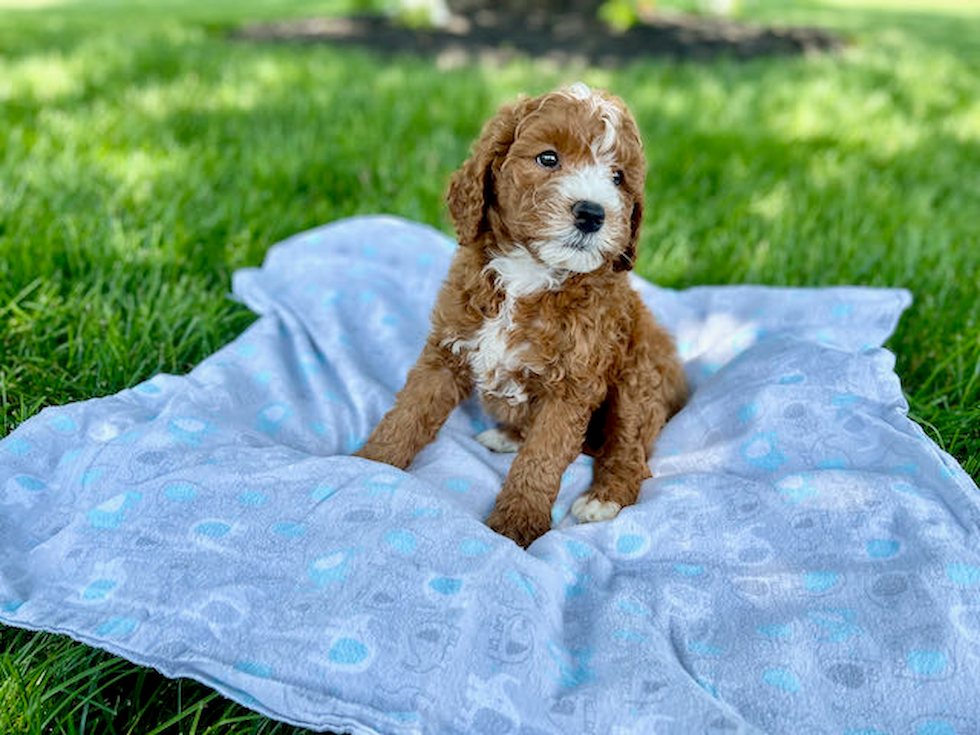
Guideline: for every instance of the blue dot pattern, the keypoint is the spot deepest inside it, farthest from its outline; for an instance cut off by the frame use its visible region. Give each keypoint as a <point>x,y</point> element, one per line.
<point>804,559</point>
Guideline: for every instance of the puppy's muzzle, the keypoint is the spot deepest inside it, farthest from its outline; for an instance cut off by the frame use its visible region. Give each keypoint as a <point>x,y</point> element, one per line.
<point>589,216</point>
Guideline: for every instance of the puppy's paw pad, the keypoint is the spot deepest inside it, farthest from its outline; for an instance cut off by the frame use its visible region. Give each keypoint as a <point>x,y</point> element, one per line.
<point>588,509</point>
<point>497,440</point>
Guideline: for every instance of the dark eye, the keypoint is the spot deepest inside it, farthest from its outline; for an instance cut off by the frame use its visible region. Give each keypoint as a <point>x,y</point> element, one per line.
<point>548,159</point>
<point>618,178</point>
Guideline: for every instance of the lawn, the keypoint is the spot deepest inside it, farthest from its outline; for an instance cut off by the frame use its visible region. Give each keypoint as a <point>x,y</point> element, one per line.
<point>144,156</point>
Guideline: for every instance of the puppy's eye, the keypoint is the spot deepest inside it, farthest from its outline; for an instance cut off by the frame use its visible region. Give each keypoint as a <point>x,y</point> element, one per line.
<point>548,159</point>
<point>618,178</point>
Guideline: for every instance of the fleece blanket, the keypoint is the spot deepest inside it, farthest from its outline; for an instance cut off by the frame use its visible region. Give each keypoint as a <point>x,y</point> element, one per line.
<point>805,560</point>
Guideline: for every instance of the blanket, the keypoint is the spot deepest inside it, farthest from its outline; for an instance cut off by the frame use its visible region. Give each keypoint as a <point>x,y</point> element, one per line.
<point>804,560</point>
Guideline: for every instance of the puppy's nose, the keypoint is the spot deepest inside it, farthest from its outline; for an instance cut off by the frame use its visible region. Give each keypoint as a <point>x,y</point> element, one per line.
<point>589,216</point>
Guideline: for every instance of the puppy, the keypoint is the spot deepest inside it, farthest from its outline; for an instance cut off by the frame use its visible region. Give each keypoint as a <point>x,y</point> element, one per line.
<point>537,313</point>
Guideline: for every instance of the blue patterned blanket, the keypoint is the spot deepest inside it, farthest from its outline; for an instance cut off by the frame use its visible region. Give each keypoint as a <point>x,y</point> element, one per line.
<point>804,561</point>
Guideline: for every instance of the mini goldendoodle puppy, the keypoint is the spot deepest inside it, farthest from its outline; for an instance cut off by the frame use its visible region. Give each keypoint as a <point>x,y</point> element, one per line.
<point>537,313</point>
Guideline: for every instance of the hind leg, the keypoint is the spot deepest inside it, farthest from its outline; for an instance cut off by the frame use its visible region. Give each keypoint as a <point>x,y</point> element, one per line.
<point>636,409</point>
<point>620,463</point>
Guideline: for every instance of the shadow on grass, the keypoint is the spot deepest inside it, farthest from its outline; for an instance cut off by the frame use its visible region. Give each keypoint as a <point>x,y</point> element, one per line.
<point>562,37</point>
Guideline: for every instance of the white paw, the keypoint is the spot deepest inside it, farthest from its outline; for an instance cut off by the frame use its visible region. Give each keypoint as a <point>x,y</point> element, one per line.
<point>498,441</point>
<point>588,509</point>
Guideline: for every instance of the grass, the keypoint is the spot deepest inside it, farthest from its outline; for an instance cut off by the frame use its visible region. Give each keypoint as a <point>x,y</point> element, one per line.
<point>144,157</point>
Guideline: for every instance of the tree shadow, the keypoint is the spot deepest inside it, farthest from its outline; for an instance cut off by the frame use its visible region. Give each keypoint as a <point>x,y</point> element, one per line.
<point>562,38</point>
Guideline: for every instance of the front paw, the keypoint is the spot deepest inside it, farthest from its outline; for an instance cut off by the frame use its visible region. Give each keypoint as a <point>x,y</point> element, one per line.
<point>383,453</point>
<point>588,509</point>
<point>519,524</point>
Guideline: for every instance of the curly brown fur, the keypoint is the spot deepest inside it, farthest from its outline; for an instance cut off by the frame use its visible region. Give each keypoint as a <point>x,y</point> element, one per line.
<point>537,313</point>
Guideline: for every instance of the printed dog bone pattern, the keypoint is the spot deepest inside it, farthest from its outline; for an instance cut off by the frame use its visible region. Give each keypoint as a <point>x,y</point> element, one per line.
<point>804,561</point>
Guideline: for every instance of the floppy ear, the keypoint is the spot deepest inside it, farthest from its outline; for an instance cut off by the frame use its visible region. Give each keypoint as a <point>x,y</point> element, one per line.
<point>471,188</point>
<point>637,168</point>
<point>628,257</point>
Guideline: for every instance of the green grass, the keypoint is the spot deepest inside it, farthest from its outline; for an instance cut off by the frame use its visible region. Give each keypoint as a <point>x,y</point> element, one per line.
<point>144,157</point>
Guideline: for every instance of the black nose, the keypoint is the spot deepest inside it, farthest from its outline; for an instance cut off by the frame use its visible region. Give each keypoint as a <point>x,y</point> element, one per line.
<point>588,215</point>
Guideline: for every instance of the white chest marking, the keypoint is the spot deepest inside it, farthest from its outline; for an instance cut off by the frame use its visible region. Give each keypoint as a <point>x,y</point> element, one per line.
<point>491,358</point>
